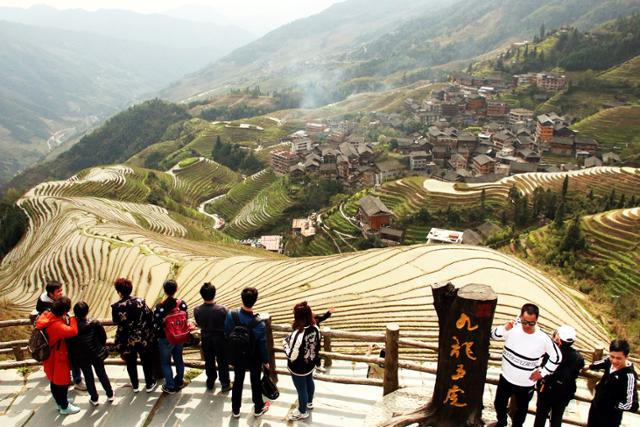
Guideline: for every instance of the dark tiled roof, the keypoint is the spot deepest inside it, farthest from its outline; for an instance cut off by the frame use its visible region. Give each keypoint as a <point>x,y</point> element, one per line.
<point>373,206</point>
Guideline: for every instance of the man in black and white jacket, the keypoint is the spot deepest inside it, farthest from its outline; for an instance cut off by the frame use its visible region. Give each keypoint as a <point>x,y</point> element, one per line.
<point>616,392</point>
<point>525,348</point>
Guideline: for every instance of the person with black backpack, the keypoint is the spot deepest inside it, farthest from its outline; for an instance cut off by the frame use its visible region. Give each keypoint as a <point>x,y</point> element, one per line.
<point>135,335</point>
<point>88,351</point>
<point>58,326</point>
<point>247,350</point>
<point>210,317</point>
<point>52,292</point>
<point>556,390</point>
<point>172,328</point>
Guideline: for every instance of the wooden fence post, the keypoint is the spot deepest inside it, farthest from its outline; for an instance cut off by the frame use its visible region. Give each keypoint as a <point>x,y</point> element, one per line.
<point>390,380</point>
<point>465,316</point>
<point>327,346</point>
<point>271,351</point>
<point>17,352</point>
<point>598,354</point>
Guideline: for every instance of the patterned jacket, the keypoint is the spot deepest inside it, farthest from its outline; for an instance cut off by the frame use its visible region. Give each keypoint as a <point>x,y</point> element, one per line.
<point>134,320</point>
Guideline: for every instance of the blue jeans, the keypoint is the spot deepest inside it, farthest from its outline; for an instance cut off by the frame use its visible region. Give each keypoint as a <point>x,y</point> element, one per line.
<point>167,351</point>
<point>305,388</point>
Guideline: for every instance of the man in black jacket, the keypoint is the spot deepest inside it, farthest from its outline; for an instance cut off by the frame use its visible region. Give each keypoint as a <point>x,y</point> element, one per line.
<point>616,392</point>
<point>210,317</point>
<point>245,318</point>
<point>556,391</point>
<point>52,292</point>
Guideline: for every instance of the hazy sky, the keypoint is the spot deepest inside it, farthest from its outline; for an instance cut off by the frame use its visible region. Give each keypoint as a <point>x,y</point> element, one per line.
<point>259,14</point>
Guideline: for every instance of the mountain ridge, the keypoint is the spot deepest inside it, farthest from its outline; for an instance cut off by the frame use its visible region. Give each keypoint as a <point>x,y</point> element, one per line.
<point>401,44</point>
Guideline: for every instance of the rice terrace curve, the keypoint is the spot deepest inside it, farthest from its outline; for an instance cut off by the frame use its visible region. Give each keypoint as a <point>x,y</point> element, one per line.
<point>87,242</point>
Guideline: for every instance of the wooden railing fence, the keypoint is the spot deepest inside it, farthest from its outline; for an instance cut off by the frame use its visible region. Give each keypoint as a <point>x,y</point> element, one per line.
<point>392,338</point>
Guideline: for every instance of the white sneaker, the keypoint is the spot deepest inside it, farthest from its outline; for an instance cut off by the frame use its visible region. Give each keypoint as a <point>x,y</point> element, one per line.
<point>136,389</point>
<point>235,415</point>
<point>94,402</point>
<point>297,415</point>
<point>310,405</point>
<point>110,399</point>
<point>71,409</point>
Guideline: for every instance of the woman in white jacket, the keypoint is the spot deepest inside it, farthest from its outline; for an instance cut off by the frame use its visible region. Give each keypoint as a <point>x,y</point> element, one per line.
<point>302,349</point>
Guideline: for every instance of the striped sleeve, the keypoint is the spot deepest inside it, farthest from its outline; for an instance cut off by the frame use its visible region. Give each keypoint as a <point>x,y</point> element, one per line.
<point>499,333</point>
<point>629,394</point>
<point>600,364</point>
<point>555,357</point>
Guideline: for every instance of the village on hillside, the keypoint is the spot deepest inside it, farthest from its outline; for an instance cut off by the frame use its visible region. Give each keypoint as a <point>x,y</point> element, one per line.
<point>460,132</point>
<point>463,133</point>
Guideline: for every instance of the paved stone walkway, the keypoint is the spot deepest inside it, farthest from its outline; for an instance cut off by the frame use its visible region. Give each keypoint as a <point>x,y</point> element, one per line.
<point>29,403</point>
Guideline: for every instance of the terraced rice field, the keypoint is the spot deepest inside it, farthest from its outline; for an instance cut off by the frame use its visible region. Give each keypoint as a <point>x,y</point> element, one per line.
<point>241,194</point>
<point>87,242</point>
<point>203,179</point>
<point>118,181</point>
<point>615,128</point>
<point>601,180</point>
<point>614,241</point>
<point>265,208</point>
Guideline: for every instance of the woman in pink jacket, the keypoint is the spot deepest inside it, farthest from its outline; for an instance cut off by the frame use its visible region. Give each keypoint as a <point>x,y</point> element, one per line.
<point>59,326</point>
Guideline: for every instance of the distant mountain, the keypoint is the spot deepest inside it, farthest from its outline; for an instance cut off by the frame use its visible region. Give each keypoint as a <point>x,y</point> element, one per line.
<point>201,13</point>
<point>304,49</point>
<point>217,39</point>
<point>331,54</point>
<point>67,70</point>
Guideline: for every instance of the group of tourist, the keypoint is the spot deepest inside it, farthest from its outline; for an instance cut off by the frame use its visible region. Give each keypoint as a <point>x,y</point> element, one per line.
<point>228,337</point>
<point>531,360</point>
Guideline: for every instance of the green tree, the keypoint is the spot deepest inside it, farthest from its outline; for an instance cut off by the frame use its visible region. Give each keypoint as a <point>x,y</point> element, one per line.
<point>573,239</point>
<point>565,187</point>
<point>558,221</point>
<point>13,222</point>
<point>622,202</point>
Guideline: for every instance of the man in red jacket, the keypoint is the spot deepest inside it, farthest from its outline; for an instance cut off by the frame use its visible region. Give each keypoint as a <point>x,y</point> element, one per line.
<point>59,326</point>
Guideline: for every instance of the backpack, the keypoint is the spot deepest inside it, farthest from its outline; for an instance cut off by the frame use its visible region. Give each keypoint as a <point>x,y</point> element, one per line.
<point>176,326</point>
<point>39,345</point>
<point>240,341</point>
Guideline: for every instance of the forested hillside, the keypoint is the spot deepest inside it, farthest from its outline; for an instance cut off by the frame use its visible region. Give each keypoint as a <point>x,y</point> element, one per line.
<point>121,136</point>
<point>574,50</point>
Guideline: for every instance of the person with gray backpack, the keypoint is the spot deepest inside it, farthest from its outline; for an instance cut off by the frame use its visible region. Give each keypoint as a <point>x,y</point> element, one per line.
<point>246,350</point>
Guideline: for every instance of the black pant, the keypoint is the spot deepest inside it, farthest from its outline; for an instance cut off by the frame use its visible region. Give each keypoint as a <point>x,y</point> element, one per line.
<point>256,390</point>
<point>59,393</point>
<point>548,404</point>
<point>522,396</point>
<point>213,351</point>
<point>600,416</point>
<point>146,357</point>
<point>87,371</point>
